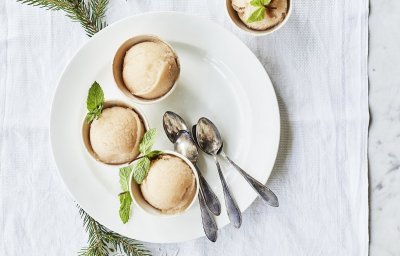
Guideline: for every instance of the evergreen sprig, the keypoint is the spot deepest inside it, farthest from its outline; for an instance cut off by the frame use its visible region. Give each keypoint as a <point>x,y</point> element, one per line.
<point>102,241</point>
<point>89,14</point>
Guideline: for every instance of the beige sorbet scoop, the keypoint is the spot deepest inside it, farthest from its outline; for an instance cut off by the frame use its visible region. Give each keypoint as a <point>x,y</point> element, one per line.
<point>170,185</point>
<point>274,15</point>
<point>150,69</point>
<point>116,135</point>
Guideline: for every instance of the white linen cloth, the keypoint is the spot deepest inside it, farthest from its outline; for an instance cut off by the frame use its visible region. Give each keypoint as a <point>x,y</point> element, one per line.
<point>318,65</point>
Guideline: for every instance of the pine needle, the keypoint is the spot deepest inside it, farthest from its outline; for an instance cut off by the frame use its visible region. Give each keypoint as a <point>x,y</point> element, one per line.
<point>101,240</point>
<point>89,14</point>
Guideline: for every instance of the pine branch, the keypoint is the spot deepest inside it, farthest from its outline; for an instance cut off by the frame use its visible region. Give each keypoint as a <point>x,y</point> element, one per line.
<point>101,240</point>
<point>96,244</point>
<point>89,14</point>
<point>129,246</point>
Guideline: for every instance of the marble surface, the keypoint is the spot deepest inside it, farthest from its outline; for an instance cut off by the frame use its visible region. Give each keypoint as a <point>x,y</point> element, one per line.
<point>384,136</point>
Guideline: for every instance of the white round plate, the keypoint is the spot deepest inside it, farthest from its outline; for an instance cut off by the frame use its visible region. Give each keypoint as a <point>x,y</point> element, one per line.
<point>220,79</point>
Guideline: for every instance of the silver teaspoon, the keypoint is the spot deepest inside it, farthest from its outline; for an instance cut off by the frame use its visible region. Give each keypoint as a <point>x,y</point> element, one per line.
<point>185,145</point>
<point>263,191</point>
<point>175,127</point>
<point>205,137</point>
<point>173,123</point>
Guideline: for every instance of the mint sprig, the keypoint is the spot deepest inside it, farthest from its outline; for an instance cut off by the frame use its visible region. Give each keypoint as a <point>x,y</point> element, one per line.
<point>153,154</point>
<point>260,2</point>
<point>148,141</point>
<point>124,174</point>
<point>140,170</point>
<point>259,13</point>
<point>124,197</point>
<point>125,201</point>
<point>141,167</point>
<point>94,102</point>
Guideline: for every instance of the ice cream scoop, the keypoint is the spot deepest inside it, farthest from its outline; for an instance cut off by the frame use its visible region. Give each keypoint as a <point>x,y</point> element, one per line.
<point>170,185</point>
<point>146,68</point>
<point>275,12</point>
<point>274,15</point>
<point>150,69</point>
<point>115,136</point>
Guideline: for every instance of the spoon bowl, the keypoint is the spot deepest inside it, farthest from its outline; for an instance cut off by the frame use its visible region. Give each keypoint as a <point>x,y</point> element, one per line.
<point>208,137</point>
<point>172,124</point>
<point>185,145</point>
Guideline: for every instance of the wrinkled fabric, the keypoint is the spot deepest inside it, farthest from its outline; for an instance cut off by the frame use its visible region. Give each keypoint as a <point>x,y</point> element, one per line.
<point>318,65</point>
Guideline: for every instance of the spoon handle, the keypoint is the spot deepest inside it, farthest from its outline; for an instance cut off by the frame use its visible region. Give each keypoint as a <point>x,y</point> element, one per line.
<point>232,208</point>
<point>209,225</point>
<point>210,198</point>
<point>263,191</point>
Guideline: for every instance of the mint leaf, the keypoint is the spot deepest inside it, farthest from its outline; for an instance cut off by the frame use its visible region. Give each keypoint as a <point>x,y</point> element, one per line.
<point>125,201</point>
<point>124,174</point>
<point>125,198</point>
<point>266,2</point>
<point>148,141</point>
<point>257,15</point>
<point>260,3</point>
<point>256,3</point>
<point>90,117</point>
<point>141,169</point>
<point>95,98</point>
<point>94,102</point>
<point>154,154</point>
